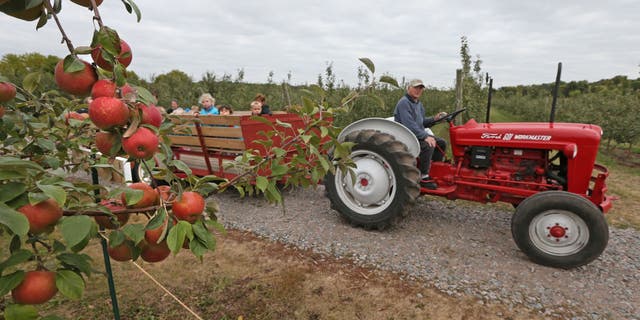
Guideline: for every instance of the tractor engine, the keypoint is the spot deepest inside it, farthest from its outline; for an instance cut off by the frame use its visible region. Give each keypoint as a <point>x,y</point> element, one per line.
<point>502,167</point>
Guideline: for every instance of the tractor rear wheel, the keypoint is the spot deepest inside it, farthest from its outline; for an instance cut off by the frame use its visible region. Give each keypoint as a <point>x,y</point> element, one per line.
<point>559,229</point>
<point>386,181</point>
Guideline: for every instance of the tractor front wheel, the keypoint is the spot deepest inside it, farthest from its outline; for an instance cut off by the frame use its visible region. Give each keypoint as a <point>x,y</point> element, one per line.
<point>383,184</point>
<point>559,229</point>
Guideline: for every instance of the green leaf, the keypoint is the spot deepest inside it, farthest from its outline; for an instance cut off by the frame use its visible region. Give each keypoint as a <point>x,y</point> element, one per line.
<point>157,220</point>
<point>283,124</point>
<point>37,197</point>
<point>129,5</point>
<point>70,284</point>
<point>307,105</point>
<point>181,166</point>
<point>367,62</point>
<point>279,152</point>
<point>11,190</point>
<point>14,220</point>
<point>9,163</point>
<point>133,196</point>
<point>43,19</point>
<point>323,132</point>
<point>116,238</point>
<point>389,80</point>
<point>278,170</point>
<point>177,235</point>
<point>145,96</point>
<point>134,232</point>
<point>82,50</point>
<point>31,81</point>
<point>46,144</point>
<point>76,229</point>
<point>273,193</point>
<point>325,164</point>
<point>306,138</point>
<point>21,312</point>
<point>72,64</point>
<point>55,192</point>
<point>82,262</point>
<point>16,258</point>
<point>10,281</point>
<point>13,175</point>
<point>261,183</point>
<point>109,42</point>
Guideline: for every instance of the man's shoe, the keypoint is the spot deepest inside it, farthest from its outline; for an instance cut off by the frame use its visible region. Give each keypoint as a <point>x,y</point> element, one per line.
<point>428,183</point>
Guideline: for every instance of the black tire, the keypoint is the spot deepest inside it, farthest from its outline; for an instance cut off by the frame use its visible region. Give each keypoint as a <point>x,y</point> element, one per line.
<point>559,229</point>
<point>391,178</point>
<point>139,174</point>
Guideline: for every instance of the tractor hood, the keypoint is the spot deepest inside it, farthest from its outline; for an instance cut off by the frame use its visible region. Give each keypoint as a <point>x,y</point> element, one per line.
<point>534,135</point>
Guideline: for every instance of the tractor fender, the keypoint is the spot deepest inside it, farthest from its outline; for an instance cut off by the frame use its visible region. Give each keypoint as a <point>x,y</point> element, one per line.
<point>397,130</point>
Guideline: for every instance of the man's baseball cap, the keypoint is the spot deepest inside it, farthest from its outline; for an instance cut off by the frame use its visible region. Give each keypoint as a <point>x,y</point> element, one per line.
<point>416,83</point>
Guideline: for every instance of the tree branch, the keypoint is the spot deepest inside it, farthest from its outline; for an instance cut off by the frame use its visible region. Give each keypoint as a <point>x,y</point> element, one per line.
<point>65,39</point>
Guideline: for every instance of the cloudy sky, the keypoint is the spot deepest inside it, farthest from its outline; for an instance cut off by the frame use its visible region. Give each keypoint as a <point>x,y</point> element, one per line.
<point>519,42</point>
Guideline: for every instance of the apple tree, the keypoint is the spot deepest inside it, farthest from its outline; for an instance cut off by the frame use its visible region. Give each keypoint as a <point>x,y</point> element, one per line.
<point>49,214</point>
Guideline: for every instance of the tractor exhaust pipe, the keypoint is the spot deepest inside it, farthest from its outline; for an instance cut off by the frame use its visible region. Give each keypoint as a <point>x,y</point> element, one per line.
<point>489,99</point>
<point>552,118</point>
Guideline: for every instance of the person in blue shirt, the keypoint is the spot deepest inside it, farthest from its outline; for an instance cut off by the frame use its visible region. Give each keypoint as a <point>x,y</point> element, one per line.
<point>410,112</point>
<point>208,104</point>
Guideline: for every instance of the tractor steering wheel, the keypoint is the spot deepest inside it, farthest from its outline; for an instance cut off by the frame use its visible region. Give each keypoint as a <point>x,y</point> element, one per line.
<point>450,116</point>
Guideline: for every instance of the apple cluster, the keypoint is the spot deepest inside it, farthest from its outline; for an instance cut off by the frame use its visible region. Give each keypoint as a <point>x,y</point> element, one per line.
<point>123,124</point>
<point>188,207</point>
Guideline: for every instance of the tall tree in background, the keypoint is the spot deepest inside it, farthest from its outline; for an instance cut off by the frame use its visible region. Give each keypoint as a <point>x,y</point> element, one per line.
<point>473,94</point>
<point>173,85</point>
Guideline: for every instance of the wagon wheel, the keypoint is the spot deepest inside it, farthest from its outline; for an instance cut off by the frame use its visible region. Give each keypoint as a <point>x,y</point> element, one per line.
<point>559,229</point>
<point>386,181</point>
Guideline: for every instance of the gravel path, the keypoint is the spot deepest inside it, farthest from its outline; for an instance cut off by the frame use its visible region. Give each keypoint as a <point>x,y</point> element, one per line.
<point>458,248</point>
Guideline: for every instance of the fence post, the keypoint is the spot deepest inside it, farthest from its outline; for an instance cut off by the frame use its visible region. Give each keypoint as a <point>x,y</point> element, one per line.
<point>105,256</point>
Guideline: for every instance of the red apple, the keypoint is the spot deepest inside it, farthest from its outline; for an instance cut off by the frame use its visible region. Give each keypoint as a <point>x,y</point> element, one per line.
<point>121,252</point>
<point>149,197</point>
<point>189,206</point>
<point>143,144</point>
<point>107,113</point>
<point>79,82</point>
<point>103,88</point>
<point>75,115</point>
<point>36,288</point>
<point>7,91</point>
<point>155,252</point>
<point>107,222</point>
<point>150,115</point>
<point>42,216</point>
<point>152,236</point>
<point>1,112</point>
<point>164,192</point>
<point>127,92</point>
<point>124,57</point>
<point>105,141</point>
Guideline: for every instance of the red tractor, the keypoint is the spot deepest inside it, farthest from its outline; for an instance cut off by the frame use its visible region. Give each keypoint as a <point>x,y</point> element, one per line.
<point>547,171</point>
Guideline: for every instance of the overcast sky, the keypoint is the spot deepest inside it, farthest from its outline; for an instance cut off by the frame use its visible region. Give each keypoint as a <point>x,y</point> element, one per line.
<point>519,42</point>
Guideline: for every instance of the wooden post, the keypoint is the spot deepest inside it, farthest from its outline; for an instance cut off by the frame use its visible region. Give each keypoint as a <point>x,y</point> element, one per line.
<point>459,78</point>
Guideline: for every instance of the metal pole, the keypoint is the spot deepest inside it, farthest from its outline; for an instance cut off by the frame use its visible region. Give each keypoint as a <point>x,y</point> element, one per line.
<point>105,256</point>
<point>552,118</point>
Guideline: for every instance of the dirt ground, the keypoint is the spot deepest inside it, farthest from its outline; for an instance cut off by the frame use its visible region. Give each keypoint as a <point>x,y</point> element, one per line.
<point>251,278</point>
